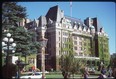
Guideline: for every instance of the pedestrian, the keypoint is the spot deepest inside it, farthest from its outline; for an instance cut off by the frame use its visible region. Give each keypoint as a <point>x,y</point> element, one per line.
<point>109,72</point>
<point>33,69</point>
<point>86,73</point>
<point>17,75</point>
<point>103,71</point>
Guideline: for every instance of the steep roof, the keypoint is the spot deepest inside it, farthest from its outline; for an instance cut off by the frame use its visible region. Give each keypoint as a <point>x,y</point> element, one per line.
<point>52,13</point>
<point>78,21</point>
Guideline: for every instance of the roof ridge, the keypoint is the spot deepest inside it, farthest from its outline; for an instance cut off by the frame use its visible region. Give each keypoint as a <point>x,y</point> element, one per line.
<point>72,17</point>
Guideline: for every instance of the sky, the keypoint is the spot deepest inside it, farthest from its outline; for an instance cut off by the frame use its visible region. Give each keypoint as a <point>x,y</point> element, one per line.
<point>104,11</point>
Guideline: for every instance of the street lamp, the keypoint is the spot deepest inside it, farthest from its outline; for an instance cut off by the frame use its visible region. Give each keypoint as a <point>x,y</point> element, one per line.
<point>8,45</point>
<point>43,43</point>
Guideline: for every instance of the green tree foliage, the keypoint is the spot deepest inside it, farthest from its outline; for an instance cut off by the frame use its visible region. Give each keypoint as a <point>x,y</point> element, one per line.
<point>69,64</point>
<point>23,39</point>
<point>12,14</point>
<point>113,60</point>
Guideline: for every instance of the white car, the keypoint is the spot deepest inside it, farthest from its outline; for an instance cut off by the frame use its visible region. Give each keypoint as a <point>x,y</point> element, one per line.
<point>46,72</point>
<point>31,75</point>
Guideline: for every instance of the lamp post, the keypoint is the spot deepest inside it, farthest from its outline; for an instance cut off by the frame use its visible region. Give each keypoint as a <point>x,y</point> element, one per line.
<point>8,45</point>
<point>43,43</point>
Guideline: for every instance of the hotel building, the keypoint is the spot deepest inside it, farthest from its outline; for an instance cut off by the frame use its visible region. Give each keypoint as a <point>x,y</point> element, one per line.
<point>90,41</point>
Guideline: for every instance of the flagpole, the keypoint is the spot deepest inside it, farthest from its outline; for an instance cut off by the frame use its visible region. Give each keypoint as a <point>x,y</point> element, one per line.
<point>71,9</point>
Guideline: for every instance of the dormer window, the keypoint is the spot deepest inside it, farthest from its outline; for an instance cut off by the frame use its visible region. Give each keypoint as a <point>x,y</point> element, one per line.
<point>80,28</point>
<point>84,29</point>
<point>88,30</point>
<point>75,27</point>
<point>78,23</point>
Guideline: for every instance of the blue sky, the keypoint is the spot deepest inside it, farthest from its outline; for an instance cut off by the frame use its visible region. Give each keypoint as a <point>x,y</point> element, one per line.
<point>105,11</point>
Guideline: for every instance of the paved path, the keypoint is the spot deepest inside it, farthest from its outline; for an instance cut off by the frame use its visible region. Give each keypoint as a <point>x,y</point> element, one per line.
<point>93,77</point>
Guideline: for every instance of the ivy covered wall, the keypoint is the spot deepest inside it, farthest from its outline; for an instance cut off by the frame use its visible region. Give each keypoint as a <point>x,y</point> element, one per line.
<point>103,44</point>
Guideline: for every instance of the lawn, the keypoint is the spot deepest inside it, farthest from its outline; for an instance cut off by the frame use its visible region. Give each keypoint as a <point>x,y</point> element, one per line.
<point>60,76</point>
<point>54,76</point>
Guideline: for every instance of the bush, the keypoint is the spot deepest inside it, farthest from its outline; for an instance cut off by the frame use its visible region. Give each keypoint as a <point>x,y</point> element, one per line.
<point>82,70</point>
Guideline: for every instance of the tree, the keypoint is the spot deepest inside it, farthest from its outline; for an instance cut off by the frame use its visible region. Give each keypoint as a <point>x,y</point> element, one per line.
<point>69,64</point>
<point>23,38</point>
<point>77,65</point>
<point>113,60</point>
<point>12,14</point>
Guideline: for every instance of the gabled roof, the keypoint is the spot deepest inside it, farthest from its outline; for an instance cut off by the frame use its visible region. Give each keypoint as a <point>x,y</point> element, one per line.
<point>52,13</point>
<point>77,21</point>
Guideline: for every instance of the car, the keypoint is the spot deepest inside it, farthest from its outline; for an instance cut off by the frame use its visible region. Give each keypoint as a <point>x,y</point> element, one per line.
<point>46,72</point>
<point>32,75</point>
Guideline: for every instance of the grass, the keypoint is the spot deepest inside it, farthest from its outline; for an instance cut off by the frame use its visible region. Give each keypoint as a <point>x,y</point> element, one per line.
<point>75,76</point>
<point>54,76</point>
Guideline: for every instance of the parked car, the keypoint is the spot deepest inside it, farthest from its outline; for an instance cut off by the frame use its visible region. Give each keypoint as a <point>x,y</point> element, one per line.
<point>32,75</point>
<point>46,72</point>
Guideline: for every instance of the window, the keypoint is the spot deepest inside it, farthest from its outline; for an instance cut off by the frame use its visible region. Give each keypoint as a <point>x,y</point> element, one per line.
<point>59,32</point>
<point>75,42</point>
<point>80,38</point>
<point>75,37</point>
<point>59,38</point>
<point>66,45</point>
<point>75,48</point>
<point>59,44</point>
<point>65,39</point>
<point>59,52</point>
<point>81,48</point>
<point>80,43</point>
<point>80,54</point>
<point>65,33</point>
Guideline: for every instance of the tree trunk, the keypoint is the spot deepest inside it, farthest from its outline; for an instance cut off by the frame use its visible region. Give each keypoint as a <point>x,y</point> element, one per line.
<point>25,59</point>
<point>73,76</point>
<point>65,75</point>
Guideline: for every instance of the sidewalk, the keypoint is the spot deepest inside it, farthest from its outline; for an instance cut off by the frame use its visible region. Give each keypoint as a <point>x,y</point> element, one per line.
<point>91,77</point>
